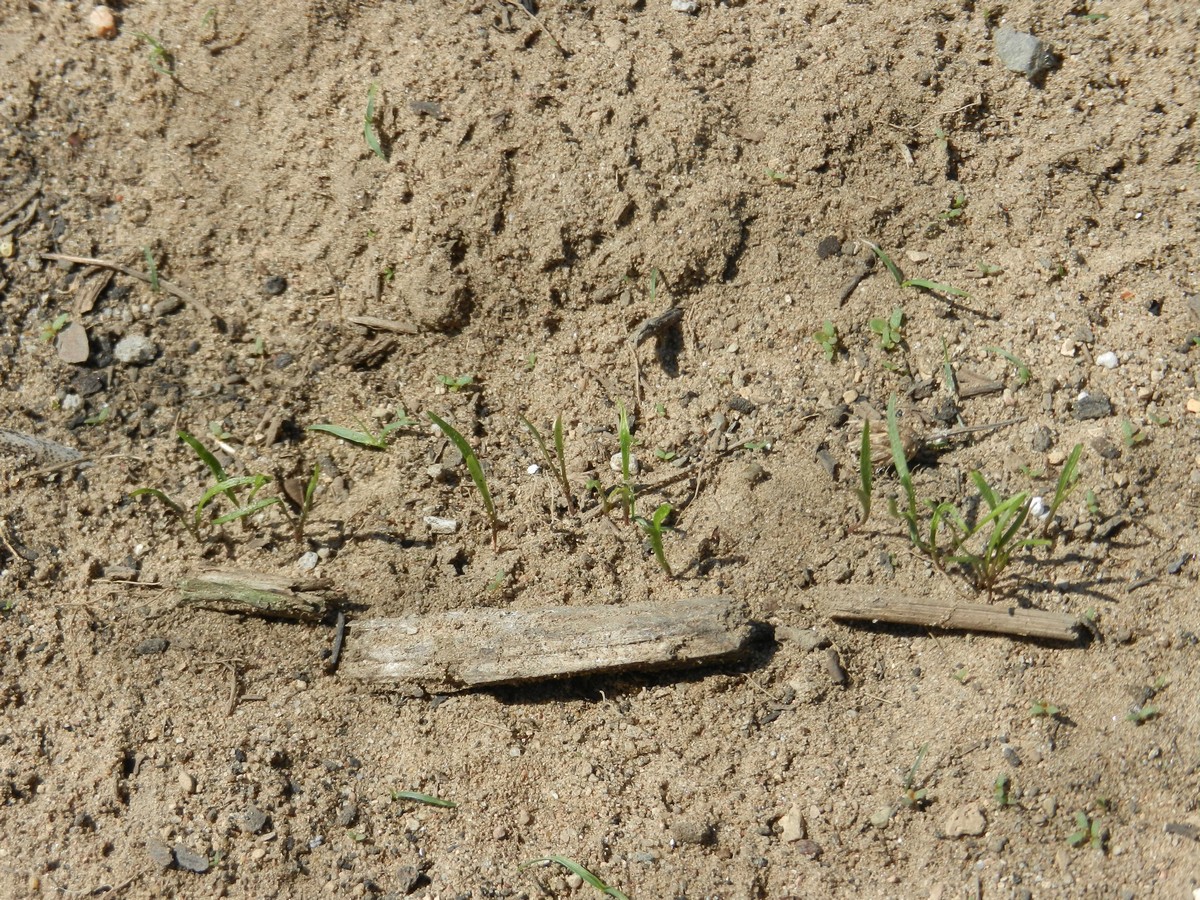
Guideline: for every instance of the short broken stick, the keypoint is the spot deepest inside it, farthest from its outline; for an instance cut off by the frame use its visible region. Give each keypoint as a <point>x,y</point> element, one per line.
<point>864,606</point>
<point>462,649</point>
<point>258,594</point>
<point>163,284</point>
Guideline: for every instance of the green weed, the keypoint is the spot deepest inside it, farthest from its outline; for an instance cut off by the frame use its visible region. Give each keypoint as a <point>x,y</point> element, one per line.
<point>987,270</point>
<point>455,383</point>
<point>307,499</point>
<point>224,485</point>
<point>1001,791</point>
<point>654,528</point>
<point>161,60</point>
<point>958,208</point>
<point>827,337</point>
<point>151,270</point>
<point>51,329</point>
<point>571,866</point>
<point>923,284</point>
<point>1131,434</point>
<point>1068,480</point>
<point>625,492</point>
<point>476,470</point>
<point>915,796</point>
<point>890,330</point>
<point>1088,832</point>
<point>556,462</point>
<point>366,438</point>
<point>368,124</point>
<point>1140,715</point>
<point>1093,505</point>
<point>1043,710</point>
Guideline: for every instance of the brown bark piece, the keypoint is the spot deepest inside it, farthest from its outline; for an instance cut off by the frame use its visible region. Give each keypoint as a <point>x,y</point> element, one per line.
<point>258,594</point>
<point>468,648</point>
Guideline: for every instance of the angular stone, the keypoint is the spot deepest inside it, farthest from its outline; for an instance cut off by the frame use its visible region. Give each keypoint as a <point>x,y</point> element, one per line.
<point>964,821</point>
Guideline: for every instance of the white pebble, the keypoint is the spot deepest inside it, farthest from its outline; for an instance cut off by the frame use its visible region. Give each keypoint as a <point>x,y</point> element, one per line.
<point>533,469</point>
<point>1108,360</point>
<point>135,350</point>
<point>438,525</point>
<point>307,561</point>
<point>615,463</point>
<point>1038,508</point>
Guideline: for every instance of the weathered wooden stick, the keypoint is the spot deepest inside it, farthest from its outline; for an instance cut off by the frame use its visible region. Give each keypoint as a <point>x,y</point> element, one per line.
<point>468,648</point>
<point>258,594</point>
<point>860,605</point>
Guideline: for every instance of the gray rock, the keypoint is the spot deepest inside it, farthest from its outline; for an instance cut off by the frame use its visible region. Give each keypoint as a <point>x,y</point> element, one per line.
<point>1020,52</point>
<point>347,814</point>
<point>1092,406</point>
<point>253,820</point>
<point>160,854</point>
<point>189,860</point>
<point>150,646</point>
<point>135,350</point>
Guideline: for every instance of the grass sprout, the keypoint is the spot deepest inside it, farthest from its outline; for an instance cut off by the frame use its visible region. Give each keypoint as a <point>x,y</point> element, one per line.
<point>376,440</point>
<point>368,124</point>
<point>161,60</point>
<point>476,470</point>
<point>571,866</point>
<point>654,528</point>
<point>427,799</point>
<point>1023,372</point>
<point>1088,832</point>
<point>556,462</point>
<point>1043,710</point>
<point>914,795</point>
<point>455,383</point>
<point>151,270</point>
<point>1068,480</point>
<point>935,287</point>
<point>51,329</point>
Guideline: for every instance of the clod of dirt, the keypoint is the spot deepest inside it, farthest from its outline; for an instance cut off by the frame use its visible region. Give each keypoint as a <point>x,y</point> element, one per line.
<point>151,646</point>
<point>135,350</point>
<point>102,23</point>
<point>689,832</point>
<point>437,297</point>
<point>965,821</point>
<point>189,860</point>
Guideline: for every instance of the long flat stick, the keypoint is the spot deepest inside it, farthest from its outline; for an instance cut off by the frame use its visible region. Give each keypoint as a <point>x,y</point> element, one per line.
<point>167,286</point>
<point>857,604</point>
<point>467,648</point>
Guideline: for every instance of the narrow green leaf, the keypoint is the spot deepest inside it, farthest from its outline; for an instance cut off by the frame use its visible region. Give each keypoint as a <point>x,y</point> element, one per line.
<point>473,467</point>
<point>228,487</point>
<point>246,510</point>
<point>159,495</point>
<point>935,287</point>
<point>887,261</point>
<point>574,867</point>
<point>151,267</point>
<point>361,438</point>
<point>214,466</point>
<point>368,127</point>
<point>427,799</point>
<point>311,488</point>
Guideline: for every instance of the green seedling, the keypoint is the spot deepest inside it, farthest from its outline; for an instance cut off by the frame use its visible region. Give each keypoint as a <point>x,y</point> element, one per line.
<point>665,455</point>
<point>306,501</point>
<point>660,410</point>
<point>151,270</point>
<point>780,177</point>
<point>1088,832</point>
<point>951,383</point>
<point>99,417</point>
<point>217,429</point>
<point>887,262</point>
<point>1004,520</point>
<point>890,330</point>
<point>366,438</point>
<point>427,799</point>
<point>229,487</point>
<point>1142,714</point>
<point>1043,710</point>
<point>51,329</point>
<point>497,581</point>
<point>961,675</point>
<point>593,486</point>
<point>757,445</point>
<point>866,475</point>
<point>1068,480</point>
<point>923,284</point>
<point>1131,434</point>
<point>571,866</point>
<point>827,337</point>
<point>915,797</point>
<point>625,492</point>
<point>654,529</point>
<point>530,362</point>
<point>161,60</point>
<point>476,470</point>
<point>455,383</point>
<point>368,124</point>
<point>958,207</point>
<point>556,462</point>
<point>1093,505</point>
<point>987,270</point>
<point>1002,789</point>
<point>1023,372</point>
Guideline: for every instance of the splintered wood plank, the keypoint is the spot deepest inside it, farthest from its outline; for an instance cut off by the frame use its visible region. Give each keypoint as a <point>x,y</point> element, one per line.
<point>461,649</point>
<point>1002,618</point>
<point>259,594</point>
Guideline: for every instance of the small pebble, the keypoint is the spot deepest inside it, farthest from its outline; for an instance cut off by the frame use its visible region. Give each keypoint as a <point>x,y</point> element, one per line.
<point>253,820</point>
<point>1193,405</point>
<point>689,832</point>
<point>72,344</point>
<point>533,469</point>
<point>102,23</point>
<point>792,826</point>
<point>1108,360</point>
<point>275,285</point>
<point>1020,52</point>
<point>347,814</point>
<point>160,854</point>
<point>614,463</point>
<point>189,860</point>
<point>438,525</point>
<point>524,818</point>
<point>499,833</point>
<point>575,882</point>
<point>307,561</point>
<point>187,783</point>
<point>967,820</point>
<point>685,6</point>
<point>150,646</point>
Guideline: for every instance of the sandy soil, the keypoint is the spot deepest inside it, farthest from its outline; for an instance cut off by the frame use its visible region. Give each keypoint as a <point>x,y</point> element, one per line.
<point>545,185</point>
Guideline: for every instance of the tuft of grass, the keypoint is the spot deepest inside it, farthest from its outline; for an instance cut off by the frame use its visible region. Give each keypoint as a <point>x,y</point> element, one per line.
<point>827,337</point>
<point>556,462</point>
<point>654,528</point>
<point>1023,372</point>
<point>915,796</point>
<point>375,440</point>
<point>890,330</point>
<point>368,124</point>
<point>625,491</point>
<point>307,499</point>
<point>427,799</point>
<point>1140,715</point>
<point>476,470</point>
<point>161,60</point>
<point>1068,480</point>
<point>571,866</point>
<point>224,485</point>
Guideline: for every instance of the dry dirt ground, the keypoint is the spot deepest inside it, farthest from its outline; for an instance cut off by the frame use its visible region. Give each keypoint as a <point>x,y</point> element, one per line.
<point>535,172</point>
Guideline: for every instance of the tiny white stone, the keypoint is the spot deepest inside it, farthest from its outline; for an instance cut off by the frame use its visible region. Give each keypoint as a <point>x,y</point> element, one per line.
<point>1108,360</point>
<point>615,463</point>
<point>438,525</point>
<point>533,469</point>
<point>1038,508</point>
<point>307,561</point>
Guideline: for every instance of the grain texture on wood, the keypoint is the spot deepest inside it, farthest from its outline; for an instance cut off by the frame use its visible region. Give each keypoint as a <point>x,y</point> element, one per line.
<point>259,594</point>
<point>860,605</point>
<point>469,648</point>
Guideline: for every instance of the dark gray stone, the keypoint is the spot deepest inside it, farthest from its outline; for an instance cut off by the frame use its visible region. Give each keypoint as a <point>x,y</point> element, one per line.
<point>253,820</point>
<point>160,854</point>
<point>189,860</point>
<point>1092,406</point>
<point>150,646</point>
